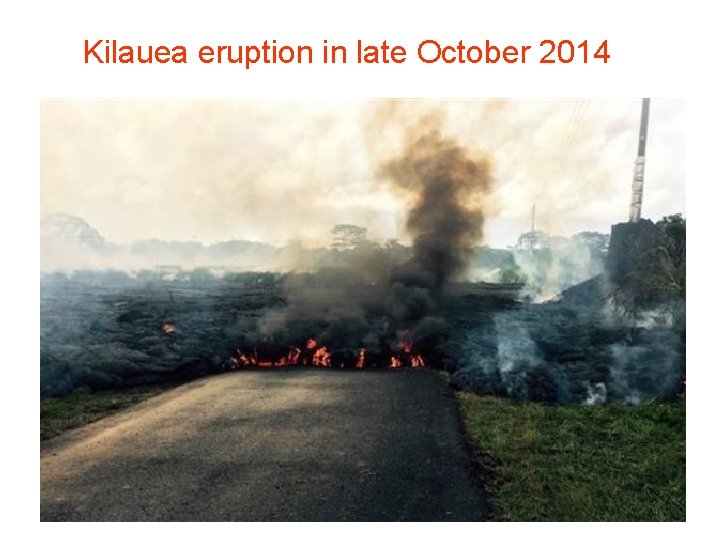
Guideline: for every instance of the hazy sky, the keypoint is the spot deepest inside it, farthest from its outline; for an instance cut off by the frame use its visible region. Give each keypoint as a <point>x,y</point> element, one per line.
<point>274,170</point>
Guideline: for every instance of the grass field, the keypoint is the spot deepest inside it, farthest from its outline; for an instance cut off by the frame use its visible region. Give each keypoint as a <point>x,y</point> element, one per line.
<point>63,413</point>
<point>580,463</point>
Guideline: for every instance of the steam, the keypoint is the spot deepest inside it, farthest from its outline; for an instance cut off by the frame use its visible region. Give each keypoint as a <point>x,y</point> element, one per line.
<point>561,263</point>
<point>568,353</point>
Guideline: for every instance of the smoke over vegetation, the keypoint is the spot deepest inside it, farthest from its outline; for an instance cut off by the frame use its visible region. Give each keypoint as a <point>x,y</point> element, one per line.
<point>619,336</point>
<point>575,350</point>
<point>547,265</point>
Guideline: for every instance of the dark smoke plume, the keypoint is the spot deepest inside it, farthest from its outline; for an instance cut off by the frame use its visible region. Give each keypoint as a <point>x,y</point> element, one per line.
<point>445,219</point>
<point>375,298</point>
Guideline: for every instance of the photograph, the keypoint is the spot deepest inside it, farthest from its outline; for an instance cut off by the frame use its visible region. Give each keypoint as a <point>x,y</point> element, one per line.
<point>362,310</point>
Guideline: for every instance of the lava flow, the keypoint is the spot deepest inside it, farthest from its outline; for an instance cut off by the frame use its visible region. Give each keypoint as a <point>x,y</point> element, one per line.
<point>313,354</point>
<point>168,329</point>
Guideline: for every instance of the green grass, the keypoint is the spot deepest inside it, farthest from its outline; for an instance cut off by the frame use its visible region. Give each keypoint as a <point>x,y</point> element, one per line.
<point>577,463</point>
<point>61,414</point>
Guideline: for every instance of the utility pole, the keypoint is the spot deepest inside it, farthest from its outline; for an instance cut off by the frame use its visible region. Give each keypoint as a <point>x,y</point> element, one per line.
<point>639,172</point>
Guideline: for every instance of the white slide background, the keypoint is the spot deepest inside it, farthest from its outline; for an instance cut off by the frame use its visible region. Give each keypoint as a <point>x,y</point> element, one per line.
<point>657,49</point>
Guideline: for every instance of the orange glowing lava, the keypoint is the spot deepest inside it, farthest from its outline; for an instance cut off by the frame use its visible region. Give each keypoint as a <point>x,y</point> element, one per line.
<point>320,356</point>
<point>361,359</point>
<point>168,329</point>
<point>417,361</point>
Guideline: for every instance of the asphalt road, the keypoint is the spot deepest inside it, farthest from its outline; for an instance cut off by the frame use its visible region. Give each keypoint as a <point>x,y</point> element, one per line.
<point>285,445</point>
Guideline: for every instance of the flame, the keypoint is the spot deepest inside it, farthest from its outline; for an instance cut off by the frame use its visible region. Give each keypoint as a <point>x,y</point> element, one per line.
<point>321,358</point>
<point>243,359</point>
<point>361,359</point>
<point>317,355</point>
<point>168,329</point>
<point>406,342</point>
<point>293,356</point>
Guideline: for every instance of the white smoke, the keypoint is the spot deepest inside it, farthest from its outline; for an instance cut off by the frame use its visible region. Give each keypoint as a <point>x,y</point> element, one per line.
<point>516,352</point>
<point>559,263</point>
<point>596,394</point>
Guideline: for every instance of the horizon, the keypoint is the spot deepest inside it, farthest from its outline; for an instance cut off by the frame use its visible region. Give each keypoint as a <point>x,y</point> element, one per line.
<point>292,241</point>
